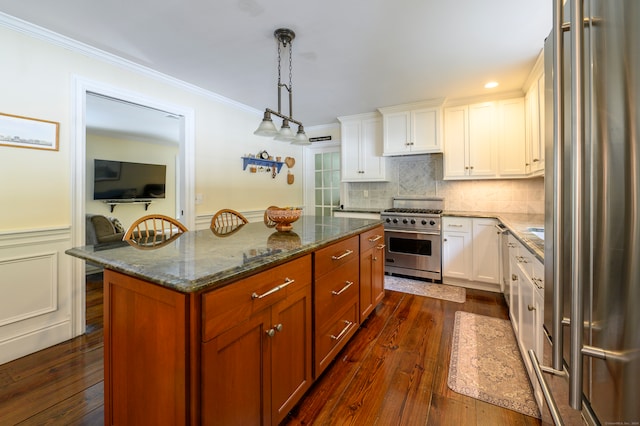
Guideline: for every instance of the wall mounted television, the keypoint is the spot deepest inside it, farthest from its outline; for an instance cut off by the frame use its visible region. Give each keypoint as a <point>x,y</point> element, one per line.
<point>121,180</point>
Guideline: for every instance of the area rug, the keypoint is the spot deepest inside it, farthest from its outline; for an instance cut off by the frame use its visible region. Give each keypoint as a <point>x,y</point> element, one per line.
<point>486,364</point>
<point>422,288</point>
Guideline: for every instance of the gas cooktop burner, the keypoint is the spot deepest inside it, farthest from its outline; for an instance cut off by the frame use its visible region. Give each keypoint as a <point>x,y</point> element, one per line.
<point>414,211</point>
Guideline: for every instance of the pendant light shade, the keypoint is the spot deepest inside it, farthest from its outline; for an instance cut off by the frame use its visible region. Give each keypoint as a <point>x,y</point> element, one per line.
<point>301,137</point>
<point>284,37</point>
<point>266,127</point>
<point>285,134</point>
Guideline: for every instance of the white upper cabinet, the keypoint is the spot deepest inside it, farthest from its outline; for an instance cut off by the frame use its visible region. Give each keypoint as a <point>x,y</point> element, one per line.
<point>534,103</point>
<point>511,138</point>
<point>361,148</point>
<point>535,126</point>
<point>485,140</point>
<point>412,128</point>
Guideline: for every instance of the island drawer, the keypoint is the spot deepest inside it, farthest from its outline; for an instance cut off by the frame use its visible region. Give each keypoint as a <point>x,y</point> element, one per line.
<point>335,290</point>
<point>371,239</point>
<point>226,307</point>
<point>331,337</point>
<point>335,255</point>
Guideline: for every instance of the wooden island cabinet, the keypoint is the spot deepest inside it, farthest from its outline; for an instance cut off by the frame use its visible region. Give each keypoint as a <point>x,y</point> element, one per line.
<point>240,346</point>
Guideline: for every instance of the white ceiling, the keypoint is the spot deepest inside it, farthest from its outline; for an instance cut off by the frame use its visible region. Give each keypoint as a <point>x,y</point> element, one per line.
<point>348,56</point>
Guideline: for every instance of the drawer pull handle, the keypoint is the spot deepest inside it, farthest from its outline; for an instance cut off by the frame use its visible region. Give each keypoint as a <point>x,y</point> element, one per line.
<point>380,246</point>
<point>343,255</point>
<point>344,330</point>
<point>343,289</point>
<point>531,308</point>
<point>374,239</point>
<point>287,281</point>
<point>453,225</point>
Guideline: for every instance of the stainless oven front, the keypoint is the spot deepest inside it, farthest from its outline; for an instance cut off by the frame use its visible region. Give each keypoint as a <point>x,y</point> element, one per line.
<point>413,253</point>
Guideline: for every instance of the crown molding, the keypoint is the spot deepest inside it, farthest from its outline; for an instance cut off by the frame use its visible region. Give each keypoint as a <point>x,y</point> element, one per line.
<point>65,42</point>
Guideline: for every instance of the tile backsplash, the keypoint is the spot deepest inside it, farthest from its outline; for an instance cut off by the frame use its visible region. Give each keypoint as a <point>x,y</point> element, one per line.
<point>421,175</point>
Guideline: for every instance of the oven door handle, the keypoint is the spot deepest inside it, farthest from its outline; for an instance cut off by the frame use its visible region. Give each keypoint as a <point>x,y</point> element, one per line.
<point>412,232</point>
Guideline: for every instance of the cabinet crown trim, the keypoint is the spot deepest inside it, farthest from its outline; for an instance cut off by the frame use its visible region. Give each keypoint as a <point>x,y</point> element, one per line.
<point>363,116</point>
<point>431,103</point>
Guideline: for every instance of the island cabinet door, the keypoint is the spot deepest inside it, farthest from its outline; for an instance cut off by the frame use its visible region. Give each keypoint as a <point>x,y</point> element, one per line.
<point>256,358</point>
<point>291,356</point>
<point>145,352</point>
<point>235,379</point>
<point>371,271</point>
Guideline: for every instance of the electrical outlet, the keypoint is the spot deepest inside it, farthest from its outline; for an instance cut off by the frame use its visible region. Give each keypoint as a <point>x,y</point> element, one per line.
<point>366,193</point>
<point>199,198</point>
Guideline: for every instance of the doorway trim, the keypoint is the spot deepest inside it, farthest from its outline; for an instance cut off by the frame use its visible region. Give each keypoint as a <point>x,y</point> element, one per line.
<point>186,189</point>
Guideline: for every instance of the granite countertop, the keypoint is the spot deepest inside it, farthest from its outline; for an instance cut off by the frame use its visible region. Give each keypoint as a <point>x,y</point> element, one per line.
<point>518,224</point>
<point>201,260</point>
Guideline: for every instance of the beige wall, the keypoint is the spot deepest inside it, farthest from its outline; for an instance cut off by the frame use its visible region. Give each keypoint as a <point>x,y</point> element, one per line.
<point>38,77</point>
<point>36,81</point>
<point>107,148</point>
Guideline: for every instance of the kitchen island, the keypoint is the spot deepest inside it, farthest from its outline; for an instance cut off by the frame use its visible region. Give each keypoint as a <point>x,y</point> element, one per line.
<point>232,328</point>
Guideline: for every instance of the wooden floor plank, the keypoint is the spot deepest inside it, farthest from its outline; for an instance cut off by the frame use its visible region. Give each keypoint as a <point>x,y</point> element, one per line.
<point>394,371</point>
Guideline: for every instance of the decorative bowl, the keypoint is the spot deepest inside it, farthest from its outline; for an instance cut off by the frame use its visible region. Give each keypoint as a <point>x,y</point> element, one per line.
<point>284,217</point>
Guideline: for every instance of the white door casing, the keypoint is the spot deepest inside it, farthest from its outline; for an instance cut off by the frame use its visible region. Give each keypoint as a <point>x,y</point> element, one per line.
<point>185,188</point>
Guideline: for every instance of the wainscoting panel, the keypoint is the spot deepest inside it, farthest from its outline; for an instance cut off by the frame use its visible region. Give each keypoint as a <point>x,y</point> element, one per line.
<point>28,287</point>
<point>35,290</point>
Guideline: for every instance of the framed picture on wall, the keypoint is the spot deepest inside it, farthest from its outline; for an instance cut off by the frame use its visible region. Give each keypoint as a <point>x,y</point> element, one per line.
<point>25,132</point>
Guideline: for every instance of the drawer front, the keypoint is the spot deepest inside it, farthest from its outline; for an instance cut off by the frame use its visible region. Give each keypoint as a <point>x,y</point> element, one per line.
<point>456,224</point>
<point>335,290</point>
<point>236,302</point>
<point>371,239</point>
<point>335,255</point>
<point>332,337</point>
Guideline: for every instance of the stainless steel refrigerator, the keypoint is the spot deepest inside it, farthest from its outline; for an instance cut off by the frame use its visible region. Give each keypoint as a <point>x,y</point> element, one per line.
<point>592,199</point>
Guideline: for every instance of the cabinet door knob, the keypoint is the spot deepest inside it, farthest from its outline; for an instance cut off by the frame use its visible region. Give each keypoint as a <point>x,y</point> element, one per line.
<point>531,308</point>
<point>444,240</point>
<point>270,332</point>
<point>277,327</point>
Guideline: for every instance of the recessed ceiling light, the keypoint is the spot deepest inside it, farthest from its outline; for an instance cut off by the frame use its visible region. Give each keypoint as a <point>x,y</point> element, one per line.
<point>491,85</point>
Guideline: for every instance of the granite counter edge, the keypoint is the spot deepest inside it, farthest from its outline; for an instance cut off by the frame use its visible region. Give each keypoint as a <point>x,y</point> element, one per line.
<point>219,279</point>
<point>517,224</point>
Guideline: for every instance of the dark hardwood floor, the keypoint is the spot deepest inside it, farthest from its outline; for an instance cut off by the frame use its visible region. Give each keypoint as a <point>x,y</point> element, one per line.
<point>393,372</point>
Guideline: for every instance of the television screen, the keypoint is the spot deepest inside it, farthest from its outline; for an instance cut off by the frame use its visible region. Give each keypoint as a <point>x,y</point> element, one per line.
<point>120,180</point>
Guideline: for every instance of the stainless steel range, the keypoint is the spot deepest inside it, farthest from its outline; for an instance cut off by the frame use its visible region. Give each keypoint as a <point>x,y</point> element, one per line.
<point>412,237</point>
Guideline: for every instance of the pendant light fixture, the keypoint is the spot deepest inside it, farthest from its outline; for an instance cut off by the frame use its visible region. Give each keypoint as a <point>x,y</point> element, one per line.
<point>284,37</point>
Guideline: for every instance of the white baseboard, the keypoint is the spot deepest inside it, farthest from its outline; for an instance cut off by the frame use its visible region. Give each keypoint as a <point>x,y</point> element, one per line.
<point>19,346</point>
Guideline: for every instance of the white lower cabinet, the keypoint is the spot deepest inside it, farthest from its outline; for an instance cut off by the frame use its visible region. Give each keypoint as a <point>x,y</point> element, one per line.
<point>470,250</point>
<point>527,305</point>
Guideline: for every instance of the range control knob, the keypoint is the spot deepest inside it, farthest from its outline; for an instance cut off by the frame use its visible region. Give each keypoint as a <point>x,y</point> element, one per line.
<point>395,220</point>
<point>413,221</point>
<point>388,220</point>
<point>405,221</point>
<point>432,222</point>
<point>424,222</point>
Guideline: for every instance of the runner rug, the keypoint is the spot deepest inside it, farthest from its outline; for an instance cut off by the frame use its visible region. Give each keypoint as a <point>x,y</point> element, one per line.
<point>422,288</point>
<point>486,364</point>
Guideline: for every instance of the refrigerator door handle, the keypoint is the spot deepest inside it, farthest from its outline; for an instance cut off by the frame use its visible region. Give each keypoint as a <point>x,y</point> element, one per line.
<point>558,185</point>
<point>577,200</point>
<point>546,391</point>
